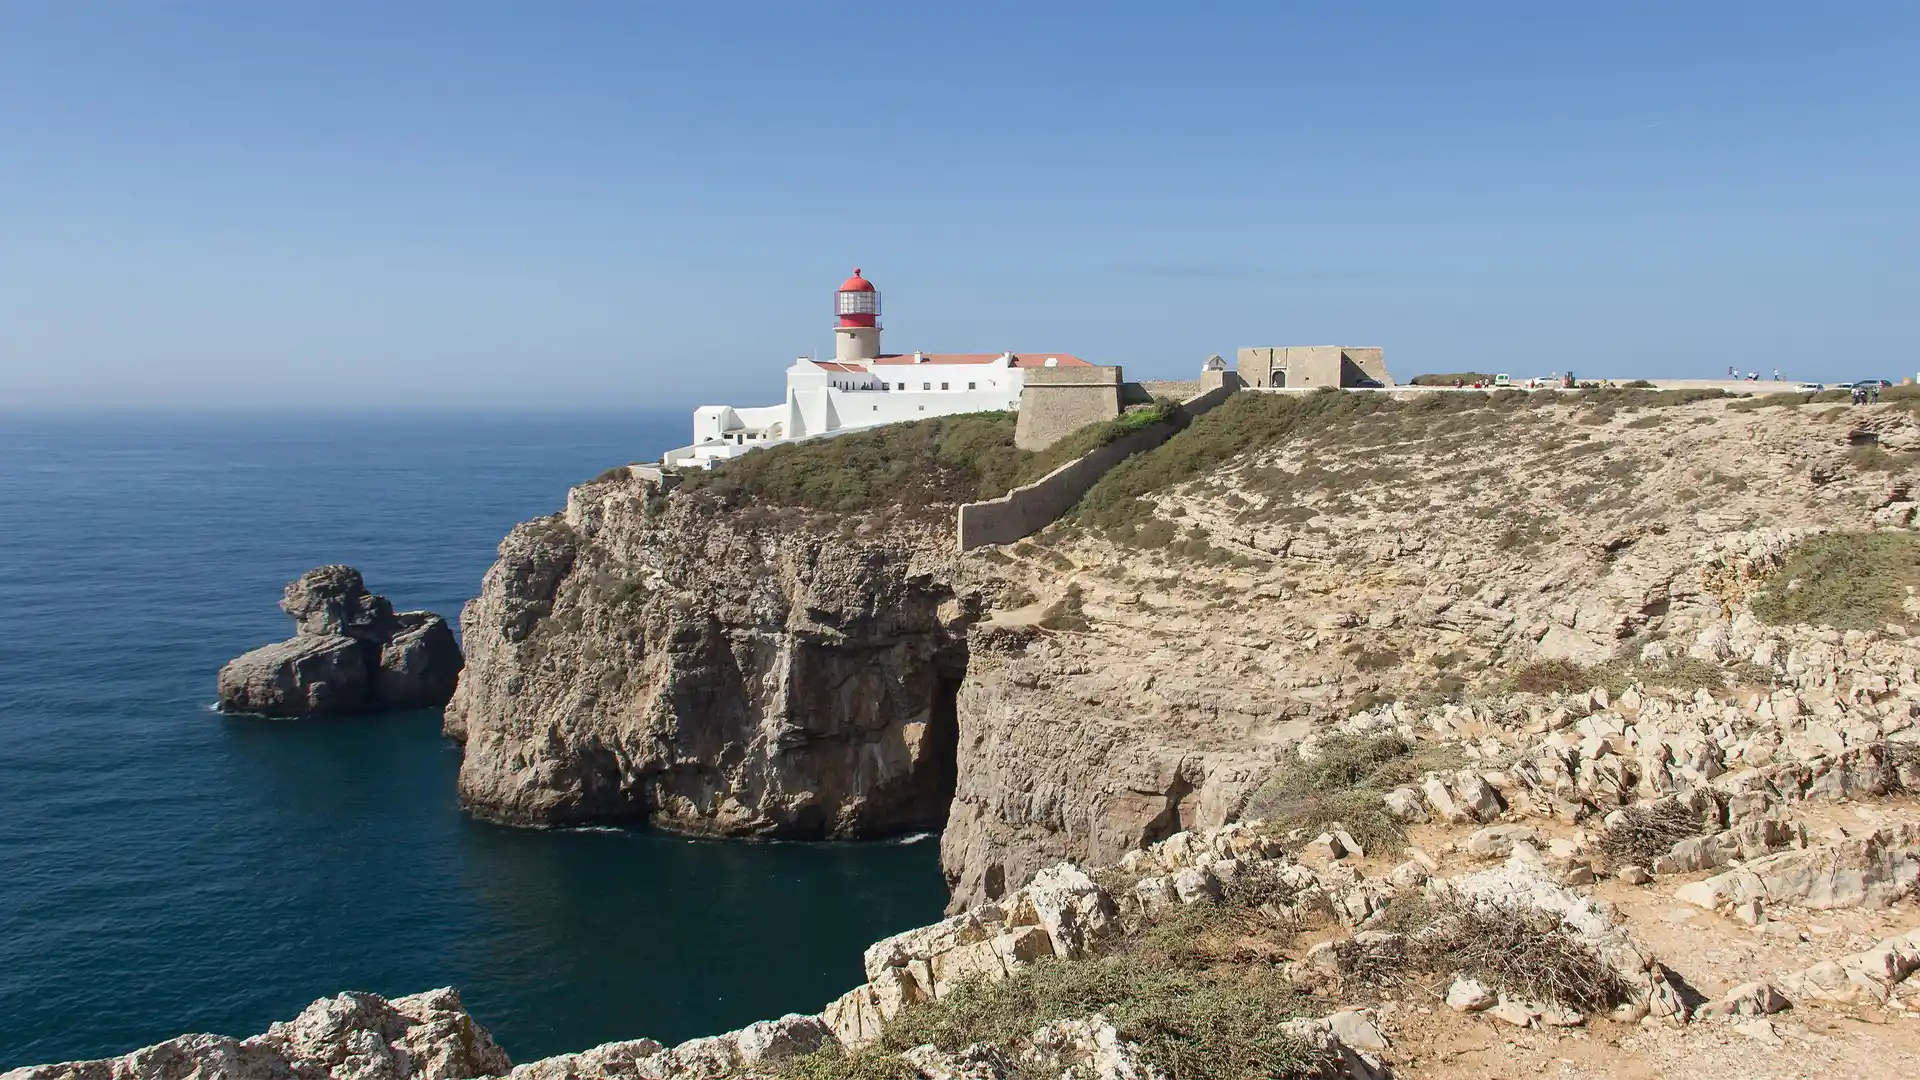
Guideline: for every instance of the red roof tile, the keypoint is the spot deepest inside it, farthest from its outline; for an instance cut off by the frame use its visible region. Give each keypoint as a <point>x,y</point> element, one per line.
<point>1025,360</point>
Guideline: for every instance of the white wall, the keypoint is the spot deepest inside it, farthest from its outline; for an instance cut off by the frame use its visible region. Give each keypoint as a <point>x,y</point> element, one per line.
<point>992,379</point>
<point>815,407</point>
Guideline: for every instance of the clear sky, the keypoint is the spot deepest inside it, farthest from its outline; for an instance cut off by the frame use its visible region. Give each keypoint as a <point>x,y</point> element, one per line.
<point>622,204</point>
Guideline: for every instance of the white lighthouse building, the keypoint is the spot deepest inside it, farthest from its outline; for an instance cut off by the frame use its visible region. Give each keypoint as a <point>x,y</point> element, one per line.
<point>863,387</point>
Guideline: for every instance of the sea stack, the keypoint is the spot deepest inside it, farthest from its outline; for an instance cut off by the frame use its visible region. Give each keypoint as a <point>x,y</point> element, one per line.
<point>350,653</point>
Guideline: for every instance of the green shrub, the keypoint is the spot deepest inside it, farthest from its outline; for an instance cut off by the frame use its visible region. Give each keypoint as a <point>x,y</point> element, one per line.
<point>618,472</point>
<point>1192,1025</point>
<point>938,462</point>
<point>1853,581</point>
<point>1344,784</point>
<point>1567,677</point>
<point>1551,677</point>
<point>1093,436</point>
<point>1462,378</point>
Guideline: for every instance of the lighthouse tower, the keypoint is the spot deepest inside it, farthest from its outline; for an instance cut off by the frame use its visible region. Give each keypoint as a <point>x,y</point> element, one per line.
<point>856,339</point>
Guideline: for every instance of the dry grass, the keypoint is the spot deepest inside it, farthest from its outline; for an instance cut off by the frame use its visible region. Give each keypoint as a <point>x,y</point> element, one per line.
<point>1853,581</point>
<point>1644,833</point>
<point>1679,673</point>
<point>1197,991</point>
<point>1522,951</point>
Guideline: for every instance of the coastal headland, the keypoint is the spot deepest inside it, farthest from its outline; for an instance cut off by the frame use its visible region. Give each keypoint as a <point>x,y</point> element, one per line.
<point>1280,723</point>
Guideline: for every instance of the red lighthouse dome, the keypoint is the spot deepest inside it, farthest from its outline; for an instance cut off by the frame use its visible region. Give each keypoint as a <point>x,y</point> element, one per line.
<point>857,302</point>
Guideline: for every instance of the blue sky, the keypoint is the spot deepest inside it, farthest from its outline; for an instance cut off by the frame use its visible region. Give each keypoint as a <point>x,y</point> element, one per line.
<point>442,204</point>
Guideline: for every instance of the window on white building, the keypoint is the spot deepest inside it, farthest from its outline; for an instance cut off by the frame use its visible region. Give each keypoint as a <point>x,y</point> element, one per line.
<point>973,386</point>
<point>900,386</point>
<point>926,386</point>
<point>943,386</point>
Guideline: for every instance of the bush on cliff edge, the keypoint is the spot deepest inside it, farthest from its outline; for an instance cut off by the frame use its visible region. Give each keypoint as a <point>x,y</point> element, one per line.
<point>1852,581</point>
<point>938,462</point>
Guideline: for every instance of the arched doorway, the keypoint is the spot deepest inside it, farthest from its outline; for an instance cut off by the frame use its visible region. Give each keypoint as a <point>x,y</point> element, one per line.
<point>1279,380</point>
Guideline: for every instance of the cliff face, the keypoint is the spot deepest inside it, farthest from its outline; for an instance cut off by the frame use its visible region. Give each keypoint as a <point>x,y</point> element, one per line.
<point>713,670</point>
<point>1072,749</point>
<point>738,670</point>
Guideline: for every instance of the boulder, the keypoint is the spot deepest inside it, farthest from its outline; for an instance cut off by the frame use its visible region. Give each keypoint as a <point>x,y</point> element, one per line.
<point>1497,841</point>
<point>418,665</point>
<point>302,676</point>
<point>350,653</point>
<point>1748,999</point>
<point>1469,995</point>
<point>1876,871</point>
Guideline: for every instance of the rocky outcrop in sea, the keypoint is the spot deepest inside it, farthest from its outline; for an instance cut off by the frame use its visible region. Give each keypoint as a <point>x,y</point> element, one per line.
<point>350,653</point>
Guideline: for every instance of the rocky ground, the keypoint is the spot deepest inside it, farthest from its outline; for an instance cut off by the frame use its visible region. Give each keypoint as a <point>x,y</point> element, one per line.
<point>1466,737</point>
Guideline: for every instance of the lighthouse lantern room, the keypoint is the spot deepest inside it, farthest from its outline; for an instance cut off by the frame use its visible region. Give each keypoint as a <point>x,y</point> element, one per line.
<point>856,337</point>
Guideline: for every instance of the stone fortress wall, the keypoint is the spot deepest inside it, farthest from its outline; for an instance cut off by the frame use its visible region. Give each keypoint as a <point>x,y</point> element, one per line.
<point>1306,367</point>
<point>1058,401</point>
<point>1026,510</point>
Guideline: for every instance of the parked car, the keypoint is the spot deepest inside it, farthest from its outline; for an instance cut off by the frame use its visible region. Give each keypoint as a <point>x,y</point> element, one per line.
<point>1811,387</point>
<point>1868,384</point>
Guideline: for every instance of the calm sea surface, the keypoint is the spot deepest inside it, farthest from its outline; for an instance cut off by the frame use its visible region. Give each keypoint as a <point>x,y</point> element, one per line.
<point>164,869</point>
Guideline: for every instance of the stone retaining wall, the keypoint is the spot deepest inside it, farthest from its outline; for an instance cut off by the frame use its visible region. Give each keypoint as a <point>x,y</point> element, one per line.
<point>1026,510</point>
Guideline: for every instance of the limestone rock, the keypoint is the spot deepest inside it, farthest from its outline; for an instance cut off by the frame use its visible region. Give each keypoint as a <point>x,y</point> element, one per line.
<point>1875,871</point>
<point>1497,841</point>
<point>1748,999</point>
<point>1406,805</point>
<point>419,665</point>
<point>302,676</point>
<point>350,654</point>
<point>1469,995</point>
<point>348,1037</point>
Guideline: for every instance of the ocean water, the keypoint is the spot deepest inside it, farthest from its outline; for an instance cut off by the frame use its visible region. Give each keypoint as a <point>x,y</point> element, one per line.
<point>166,869</point>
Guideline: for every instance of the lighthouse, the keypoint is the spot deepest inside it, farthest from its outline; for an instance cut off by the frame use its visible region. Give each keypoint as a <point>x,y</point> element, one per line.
<point>856,337</point>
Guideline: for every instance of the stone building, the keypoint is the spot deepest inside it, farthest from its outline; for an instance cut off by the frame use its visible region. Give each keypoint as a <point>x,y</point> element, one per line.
<point>1056,401</point>
<point>1294,367</point>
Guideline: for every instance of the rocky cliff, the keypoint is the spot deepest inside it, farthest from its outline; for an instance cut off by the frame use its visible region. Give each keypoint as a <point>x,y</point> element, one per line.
<point>713,669</point>
<point>722,666</point>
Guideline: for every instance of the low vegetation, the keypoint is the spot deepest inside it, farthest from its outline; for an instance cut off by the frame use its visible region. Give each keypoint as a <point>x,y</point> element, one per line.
<point>1615,677</point>
<point>1851,581</point>
<point>1198,990</point>
<point>1429,426</point>
<point>938,462</point>
<point>1523,951</point>
<point>1343,785</point>
<point>1092,437</point>
<point>941,461</point>
<point>1458,378</point>
<point>1642,834</point>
